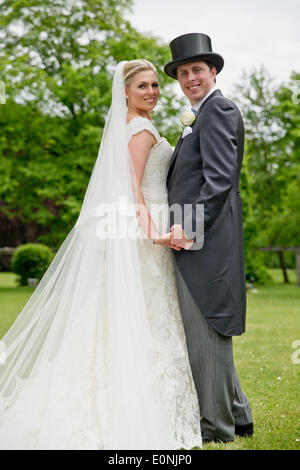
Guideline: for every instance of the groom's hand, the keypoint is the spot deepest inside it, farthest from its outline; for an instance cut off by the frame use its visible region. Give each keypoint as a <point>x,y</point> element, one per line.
<point>165,240</point>
<point>179,238</point>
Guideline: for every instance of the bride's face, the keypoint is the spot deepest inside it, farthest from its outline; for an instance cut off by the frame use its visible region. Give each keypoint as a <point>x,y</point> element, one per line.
<point>143,92</point>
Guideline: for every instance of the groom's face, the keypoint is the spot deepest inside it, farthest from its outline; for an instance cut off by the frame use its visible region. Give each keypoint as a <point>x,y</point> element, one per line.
<point>196,79</point>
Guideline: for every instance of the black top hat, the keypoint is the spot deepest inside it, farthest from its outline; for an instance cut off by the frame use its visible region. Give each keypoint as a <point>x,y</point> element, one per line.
<point>190,48</point>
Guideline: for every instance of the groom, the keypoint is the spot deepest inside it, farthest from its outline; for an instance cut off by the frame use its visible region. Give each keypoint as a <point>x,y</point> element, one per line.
<point>204,172</point>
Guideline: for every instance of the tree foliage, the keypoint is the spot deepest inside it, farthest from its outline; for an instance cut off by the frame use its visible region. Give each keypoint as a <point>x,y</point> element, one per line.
<point>57,60</point>
<point>272,117</point>
<point>57,65</point>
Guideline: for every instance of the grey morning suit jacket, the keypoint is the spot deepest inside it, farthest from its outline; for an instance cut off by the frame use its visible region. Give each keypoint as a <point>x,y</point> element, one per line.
<point>205,169</point>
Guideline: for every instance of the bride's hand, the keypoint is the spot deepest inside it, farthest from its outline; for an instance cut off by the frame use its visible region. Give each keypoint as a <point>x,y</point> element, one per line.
<point>165,240</point>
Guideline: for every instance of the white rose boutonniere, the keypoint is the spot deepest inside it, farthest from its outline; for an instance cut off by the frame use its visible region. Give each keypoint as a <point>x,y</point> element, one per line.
<point>187,118</point>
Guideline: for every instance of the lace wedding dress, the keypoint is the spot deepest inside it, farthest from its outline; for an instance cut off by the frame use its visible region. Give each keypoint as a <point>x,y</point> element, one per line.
<point>161,296</point>
<point>91,381</point>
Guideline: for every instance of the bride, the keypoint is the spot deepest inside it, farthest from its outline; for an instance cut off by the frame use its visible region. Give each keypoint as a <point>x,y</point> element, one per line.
<point>97,358</point>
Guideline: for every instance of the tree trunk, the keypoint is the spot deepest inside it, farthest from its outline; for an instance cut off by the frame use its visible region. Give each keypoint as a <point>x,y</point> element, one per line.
<point>283,267</point>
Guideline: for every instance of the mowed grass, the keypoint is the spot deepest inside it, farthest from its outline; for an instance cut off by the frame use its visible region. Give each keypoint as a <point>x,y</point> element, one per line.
<point>12,299</point>
<point>267,363</point>
<point>264,361</point>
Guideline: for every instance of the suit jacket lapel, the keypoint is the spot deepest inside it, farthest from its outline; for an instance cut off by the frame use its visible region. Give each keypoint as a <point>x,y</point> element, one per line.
<point>178,145</point>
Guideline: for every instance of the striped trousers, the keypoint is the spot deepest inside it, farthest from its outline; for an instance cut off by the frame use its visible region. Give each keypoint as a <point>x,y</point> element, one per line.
<point>221,399</point>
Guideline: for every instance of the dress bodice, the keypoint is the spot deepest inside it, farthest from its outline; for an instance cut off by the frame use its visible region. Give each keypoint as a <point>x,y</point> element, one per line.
<point>155,174</point>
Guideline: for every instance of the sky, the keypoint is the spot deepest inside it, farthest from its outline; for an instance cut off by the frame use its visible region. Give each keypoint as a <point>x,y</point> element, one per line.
<point>247,33</point>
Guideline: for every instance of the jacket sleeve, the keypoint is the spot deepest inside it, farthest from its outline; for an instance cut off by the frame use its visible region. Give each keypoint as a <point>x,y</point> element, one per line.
<point>218,130</point>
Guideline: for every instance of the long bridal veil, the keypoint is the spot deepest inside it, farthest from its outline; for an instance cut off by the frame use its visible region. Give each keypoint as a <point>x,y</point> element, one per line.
<point>78,369</point>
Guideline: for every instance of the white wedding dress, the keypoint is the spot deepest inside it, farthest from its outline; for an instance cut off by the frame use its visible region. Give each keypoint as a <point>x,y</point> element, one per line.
<point>70,403</point>
<point>161,296</point>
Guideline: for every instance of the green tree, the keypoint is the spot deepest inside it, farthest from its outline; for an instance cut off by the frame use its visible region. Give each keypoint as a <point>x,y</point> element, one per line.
<point>284,226</point>
<point>57,65</point>
<point>271,115</point>
<point>254,264</point>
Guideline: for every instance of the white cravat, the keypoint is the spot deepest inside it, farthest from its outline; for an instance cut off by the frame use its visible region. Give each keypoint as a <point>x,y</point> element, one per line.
<point>196,106</point>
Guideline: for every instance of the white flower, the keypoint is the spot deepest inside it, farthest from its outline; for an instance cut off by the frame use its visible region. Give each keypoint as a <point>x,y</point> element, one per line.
<point>187,118</point>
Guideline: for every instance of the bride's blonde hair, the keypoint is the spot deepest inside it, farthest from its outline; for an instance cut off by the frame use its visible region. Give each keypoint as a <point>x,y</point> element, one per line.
<point>132,67</point>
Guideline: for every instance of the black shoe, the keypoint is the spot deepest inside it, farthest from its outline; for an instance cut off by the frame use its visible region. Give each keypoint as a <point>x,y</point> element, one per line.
<point>206,439</point>
<point>244,430</point>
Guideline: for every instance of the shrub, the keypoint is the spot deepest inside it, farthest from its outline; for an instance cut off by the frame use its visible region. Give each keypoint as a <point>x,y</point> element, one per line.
<point>31,261</point>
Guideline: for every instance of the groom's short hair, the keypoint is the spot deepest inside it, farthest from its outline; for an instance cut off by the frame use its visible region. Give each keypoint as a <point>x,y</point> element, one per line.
<point>210,65</point>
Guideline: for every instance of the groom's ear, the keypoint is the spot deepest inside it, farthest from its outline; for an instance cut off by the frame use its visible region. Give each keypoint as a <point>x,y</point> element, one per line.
<point>212,69</point>
<point>214,72</point>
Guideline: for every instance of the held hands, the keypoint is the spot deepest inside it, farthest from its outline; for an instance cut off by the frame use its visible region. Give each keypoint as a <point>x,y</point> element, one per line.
<point>165,240</point>
<point>175,239</point>
<point>179,237</point>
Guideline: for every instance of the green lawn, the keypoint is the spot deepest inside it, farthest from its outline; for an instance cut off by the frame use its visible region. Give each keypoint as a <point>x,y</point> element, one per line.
<point>12,299</point>
<point>263,358</point>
